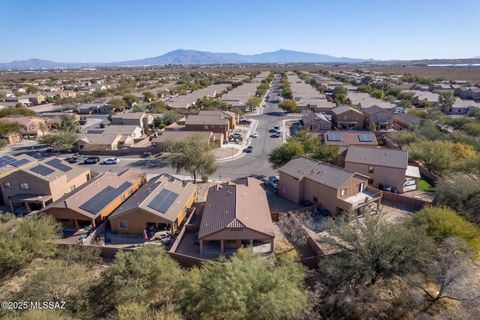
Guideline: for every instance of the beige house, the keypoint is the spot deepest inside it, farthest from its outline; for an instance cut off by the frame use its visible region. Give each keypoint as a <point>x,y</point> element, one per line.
<point>236,215</point>
<point>347,118</point>
<point>94,201</point>
<point>316,122</point>
<point>217,124</point>
<point>230,116</point>
<point>215,139</point>
<point>39,183</point>
<point>380,117</point>
<point>31,126</point>
<point>141,119</point>
<point>327,186</point>
<point>161,204</point>
<point>97,142</point>
<point>386,167</point>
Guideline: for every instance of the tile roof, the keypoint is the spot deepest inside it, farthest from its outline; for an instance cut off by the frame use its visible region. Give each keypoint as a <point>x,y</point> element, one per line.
<point>350,137</point>
<point>238,205</point>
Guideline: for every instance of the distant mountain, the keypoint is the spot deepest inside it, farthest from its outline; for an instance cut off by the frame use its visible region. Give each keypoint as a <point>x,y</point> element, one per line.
<point>189,57</point>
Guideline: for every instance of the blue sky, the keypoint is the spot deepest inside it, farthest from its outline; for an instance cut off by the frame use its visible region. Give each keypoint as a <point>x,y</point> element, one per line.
<point>116,30</point>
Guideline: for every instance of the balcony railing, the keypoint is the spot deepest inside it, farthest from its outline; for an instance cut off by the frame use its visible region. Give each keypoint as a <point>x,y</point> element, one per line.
<point>361,199</point>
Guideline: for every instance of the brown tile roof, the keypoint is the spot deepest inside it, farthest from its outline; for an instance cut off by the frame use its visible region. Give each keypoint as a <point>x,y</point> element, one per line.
<point>318,171</point>
<point>384,157</point>
<point>342,109</point>
<point>240,205</point>
<point>75,199</point>
<point>145,195</point>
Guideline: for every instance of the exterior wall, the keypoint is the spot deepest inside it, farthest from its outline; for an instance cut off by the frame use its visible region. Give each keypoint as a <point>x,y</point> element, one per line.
<point>352,185</point>
<point>137,219</point>
<point>239,234</point>
<point>63,214</point>
<point>318,125</point>
<point>290,188</point>
<point>394,177</point>
<point>325,196</point>
<point>37,186</point>
<point>350,116</point>
<point>214,128</point>
<point>378,117</point>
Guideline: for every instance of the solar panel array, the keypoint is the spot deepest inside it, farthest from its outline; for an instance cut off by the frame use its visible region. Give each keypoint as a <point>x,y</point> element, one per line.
<point>58,164</point>
<point>97,203</point>
<point>42,170</point>
<point>333,136</point>
<point>163,200</point>
<point>20,162</point>
<point>6,160</point>
<point>365,137</point>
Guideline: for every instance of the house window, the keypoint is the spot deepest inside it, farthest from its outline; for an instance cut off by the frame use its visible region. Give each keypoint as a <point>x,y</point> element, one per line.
<point>7,185</point>
<point>361,187</point>
<point>123,224</point>
<point>371,169</point>
<point>24,186</point>
<point>343,192</point>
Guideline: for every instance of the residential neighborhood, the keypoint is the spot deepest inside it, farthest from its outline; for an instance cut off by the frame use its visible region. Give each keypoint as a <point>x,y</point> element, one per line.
<point>338,178</point>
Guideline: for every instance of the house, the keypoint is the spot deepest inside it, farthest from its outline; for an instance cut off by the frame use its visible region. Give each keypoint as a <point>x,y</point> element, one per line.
<point>161,204</point>
<point>316,122</point>
<point>111,137</point>
<point>472,93</point>
<point>419,96</point>
<point>236,215</point>
<point>31,126</point>
<point>405,121</point>
<point>215,139</point>
<point>93,108</point>
<point>96,142</point>
<point>230,116</point>
<point>462,107</point>
<point>347,118</point>
<point>379,117</point>
<point>36,99</point>
<point>91,203</point>
<point>39,183</point>
<point>327,186</point>
<point>11,163</point>
<point>349,138</point>
<point>218,124</point>
<point>141,119</point>
<point>387,167</point>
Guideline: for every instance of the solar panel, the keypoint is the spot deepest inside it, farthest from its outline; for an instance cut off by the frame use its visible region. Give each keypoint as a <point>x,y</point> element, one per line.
<point>42,170</point>
<point>163,200</point>
<point>365,137</point>
<point>6,160</point>
<point>334,137</point>
<point>97,203</point>
<point>57,163</point>
<point>20,162</point>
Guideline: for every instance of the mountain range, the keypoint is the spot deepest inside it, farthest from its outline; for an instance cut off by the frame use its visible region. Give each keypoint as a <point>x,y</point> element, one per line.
<point>189,57</point>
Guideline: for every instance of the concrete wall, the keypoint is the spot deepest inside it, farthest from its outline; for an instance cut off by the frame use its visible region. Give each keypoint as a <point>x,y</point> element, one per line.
<point>394,177</point>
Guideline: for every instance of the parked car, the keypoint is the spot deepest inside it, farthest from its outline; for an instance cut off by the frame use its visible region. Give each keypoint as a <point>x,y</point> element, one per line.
<point>91,160</point>
<point>273,182</point>
<point>276,128</point>
<point>248,149</point>
<point>254,135</point>
<point>111,161</point>
<point>147,154</point>
<point>71,159</point>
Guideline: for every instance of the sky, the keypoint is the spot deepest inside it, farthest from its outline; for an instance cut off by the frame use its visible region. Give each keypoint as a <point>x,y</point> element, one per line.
<point>119,30</point>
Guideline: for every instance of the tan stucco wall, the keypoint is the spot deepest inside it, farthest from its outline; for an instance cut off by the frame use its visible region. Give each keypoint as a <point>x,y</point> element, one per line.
<point>392,176</point>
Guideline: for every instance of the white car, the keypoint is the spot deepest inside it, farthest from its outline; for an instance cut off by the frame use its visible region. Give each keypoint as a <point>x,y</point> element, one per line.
<point>254,135</point>
<point>111,161</point>
<point>273,182</point>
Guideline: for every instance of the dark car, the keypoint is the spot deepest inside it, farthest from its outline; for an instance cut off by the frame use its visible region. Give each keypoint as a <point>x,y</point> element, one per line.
<point>71,159</point>
<point>248,149</point>
<point>91,160</point>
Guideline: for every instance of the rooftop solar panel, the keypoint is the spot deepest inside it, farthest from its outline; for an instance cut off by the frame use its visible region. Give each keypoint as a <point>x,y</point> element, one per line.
<point>104,198</point>
<point>334,137</point>
<point>57,163</point>
<point>365,137</point>
<point>20,162</point>
<point>42,170</point>
<point>6,160</point>
<point>163,200</point>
